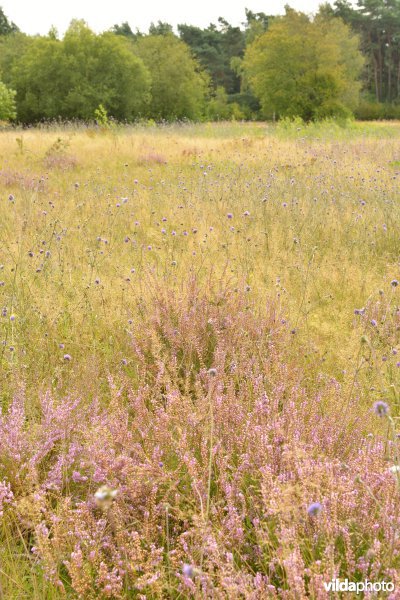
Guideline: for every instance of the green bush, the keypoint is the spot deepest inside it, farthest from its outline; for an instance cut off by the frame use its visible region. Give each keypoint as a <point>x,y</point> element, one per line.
<point>375,111</point>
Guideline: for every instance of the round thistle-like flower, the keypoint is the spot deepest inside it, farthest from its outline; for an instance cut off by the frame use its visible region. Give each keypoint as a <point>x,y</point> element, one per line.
<point>188,570</point>
<point>67,357</point>
<point>381,409</point>
<point>230,216</point>
<point>314,509</point>
<point>394,283</point>
<point>212,372</point>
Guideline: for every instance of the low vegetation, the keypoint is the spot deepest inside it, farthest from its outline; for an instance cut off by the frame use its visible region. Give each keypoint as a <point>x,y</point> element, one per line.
<point>199,360</point>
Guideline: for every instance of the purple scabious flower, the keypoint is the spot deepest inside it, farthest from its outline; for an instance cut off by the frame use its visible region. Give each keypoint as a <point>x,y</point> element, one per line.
<point>188,570</point>
<point>230,216</point>
<point>67,357</point>
<point>212,372</point>
<point>394,283</point>
<point>314,509</point>
<point>381,409</point>
<point>373,323</point>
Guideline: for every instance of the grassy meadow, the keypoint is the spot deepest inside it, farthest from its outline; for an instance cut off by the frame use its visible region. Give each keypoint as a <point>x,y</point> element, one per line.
<point>199,346</point>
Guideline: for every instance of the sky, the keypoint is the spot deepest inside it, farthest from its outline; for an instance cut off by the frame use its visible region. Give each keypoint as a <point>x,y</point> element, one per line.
<point>38,16</point>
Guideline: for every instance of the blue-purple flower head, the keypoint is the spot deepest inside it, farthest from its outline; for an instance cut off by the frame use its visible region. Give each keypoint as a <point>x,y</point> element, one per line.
<point>314,509</point>
<point>188,570</point>
<point>381,409</point>
<point>394,283</point>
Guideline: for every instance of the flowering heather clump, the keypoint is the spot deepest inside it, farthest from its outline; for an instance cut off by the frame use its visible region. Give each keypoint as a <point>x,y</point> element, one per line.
<point>115,497</point>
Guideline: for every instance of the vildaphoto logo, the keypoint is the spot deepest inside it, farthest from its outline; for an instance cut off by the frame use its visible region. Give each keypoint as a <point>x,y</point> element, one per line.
<point>344,585</point>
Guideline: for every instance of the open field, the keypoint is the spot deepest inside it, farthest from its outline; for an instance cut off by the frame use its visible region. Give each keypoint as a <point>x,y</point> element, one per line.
<point>199,318</point>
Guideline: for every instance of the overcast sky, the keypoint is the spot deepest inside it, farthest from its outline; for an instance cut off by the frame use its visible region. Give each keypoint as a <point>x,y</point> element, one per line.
<point>37,16</point>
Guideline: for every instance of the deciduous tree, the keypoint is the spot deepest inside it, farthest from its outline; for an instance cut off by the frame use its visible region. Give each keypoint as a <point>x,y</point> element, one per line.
<point>305,68</point>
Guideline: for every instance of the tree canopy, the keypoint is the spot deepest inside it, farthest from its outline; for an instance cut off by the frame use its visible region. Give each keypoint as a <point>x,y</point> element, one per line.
<point>179,86</point>
<point>305,68</point>
<point>72,77</point>
<point>291,65</point>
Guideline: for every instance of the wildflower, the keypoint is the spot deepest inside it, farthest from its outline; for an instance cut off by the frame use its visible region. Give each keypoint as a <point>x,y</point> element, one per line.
<point>11,198</point>
<point>246,213</point>
<point>188,570</point>
<point>124,361</point>
<point>105,495</point>
<point>67,357</point>
<point>381,408</point>
<point>359,311</point>
<point>314,509</point>
<point>230,216</point>
<point>395,469</point>
<point>373,323</point>
<point>12,318</point>
<point>212,372</point>
<point>394,283</point>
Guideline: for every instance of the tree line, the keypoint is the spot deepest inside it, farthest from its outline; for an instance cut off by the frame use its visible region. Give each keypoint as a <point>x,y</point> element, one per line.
<point>270,67</point>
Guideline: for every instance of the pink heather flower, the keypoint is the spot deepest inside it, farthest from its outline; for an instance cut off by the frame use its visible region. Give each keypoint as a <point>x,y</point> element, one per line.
<point>6,495</point>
